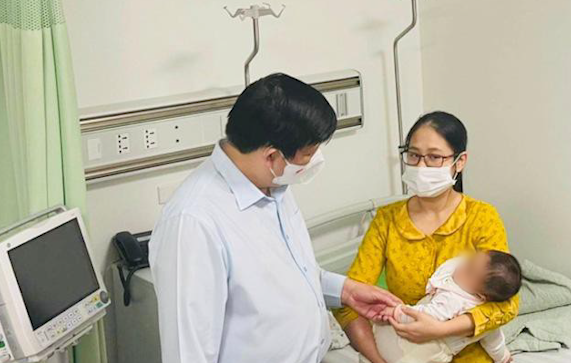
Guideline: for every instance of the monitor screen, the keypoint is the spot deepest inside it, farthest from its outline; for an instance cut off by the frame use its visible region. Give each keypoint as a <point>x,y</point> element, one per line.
<point>54,272</point>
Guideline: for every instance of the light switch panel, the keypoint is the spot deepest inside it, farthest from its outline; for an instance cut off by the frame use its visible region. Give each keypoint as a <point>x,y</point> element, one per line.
<point>94,149</point>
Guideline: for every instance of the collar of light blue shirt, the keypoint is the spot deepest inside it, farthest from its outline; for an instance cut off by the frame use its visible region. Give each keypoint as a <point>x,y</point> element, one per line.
<point>245,192</point>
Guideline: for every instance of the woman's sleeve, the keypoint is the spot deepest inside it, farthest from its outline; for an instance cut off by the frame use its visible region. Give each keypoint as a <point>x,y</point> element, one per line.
<point>491,315</point>
<point>368,263</point>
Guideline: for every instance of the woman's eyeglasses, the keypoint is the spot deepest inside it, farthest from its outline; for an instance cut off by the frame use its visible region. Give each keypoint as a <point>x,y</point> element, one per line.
<point>431,160</point>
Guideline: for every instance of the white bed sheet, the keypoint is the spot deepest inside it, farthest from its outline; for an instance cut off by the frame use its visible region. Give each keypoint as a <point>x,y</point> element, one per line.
<point>348,355</point>
<point>345,355</point>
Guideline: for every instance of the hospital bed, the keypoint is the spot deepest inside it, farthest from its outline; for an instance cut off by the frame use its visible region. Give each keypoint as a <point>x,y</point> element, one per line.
<point>349,355</point>
<point>138,339</point>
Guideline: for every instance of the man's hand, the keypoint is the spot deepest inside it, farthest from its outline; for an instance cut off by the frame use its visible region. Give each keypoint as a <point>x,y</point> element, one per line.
<point>367,300</point>
<point>425,328</point>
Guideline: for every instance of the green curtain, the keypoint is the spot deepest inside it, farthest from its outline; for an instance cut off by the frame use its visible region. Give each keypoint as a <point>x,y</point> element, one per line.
<point>40,144</point>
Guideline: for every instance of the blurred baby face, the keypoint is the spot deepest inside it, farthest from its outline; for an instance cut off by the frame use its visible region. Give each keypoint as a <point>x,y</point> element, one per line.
<point>471,275</point>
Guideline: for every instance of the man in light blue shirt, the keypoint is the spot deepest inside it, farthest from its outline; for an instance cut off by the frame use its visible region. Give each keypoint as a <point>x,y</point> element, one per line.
<point>232,261</point>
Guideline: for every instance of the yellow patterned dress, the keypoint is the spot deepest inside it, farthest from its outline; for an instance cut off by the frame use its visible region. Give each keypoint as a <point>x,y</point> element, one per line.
<point>410,257</point>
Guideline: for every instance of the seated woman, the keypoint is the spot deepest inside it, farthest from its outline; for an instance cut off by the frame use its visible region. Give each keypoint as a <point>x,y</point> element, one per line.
<point>411,239</point>
<point>457,286</point>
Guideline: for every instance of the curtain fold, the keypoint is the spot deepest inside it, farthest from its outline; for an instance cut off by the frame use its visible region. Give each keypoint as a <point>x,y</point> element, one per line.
<point>40,143</point>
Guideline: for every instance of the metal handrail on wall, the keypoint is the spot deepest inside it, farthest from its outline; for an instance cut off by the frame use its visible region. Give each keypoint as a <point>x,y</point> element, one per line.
<point>115,120</point>
<point>102,122</point>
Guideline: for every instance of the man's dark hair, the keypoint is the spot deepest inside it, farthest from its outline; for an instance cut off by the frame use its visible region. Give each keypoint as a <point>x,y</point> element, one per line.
<point>504,277</point>
<point>282,112</point>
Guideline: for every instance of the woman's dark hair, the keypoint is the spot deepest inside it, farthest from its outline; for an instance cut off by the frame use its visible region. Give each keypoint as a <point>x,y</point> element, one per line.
<point>450,128</point>
<point>282,112</point>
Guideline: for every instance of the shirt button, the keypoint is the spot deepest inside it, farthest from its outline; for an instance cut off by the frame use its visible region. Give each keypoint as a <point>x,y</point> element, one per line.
<point>322,341</point>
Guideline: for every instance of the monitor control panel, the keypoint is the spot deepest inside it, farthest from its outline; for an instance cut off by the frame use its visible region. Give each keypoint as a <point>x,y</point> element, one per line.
<point>72,318</point>
<point>5,353</point>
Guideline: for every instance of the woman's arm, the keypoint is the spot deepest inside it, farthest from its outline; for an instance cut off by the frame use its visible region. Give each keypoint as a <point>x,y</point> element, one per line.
<point>460,326</point>
<point>492,236</point>
<point>360,334</point>
<point>490,316</point>
<point>426,328</point>
<point>479,320</point>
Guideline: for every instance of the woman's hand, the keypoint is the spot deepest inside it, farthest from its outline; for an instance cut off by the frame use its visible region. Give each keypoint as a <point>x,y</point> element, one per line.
<point>425,328</point>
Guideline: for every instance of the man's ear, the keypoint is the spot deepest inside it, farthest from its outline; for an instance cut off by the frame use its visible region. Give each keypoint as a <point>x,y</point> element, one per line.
<point>270,154</point>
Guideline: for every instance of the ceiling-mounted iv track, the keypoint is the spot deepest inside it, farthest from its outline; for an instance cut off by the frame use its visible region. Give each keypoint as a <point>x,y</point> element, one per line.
<point>397,81</point>
<point>255,12</point>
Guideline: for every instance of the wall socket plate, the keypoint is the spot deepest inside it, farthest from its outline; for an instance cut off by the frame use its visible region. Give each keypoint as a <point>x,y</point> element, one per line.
<point>123,143</point>
<point>151,139</point>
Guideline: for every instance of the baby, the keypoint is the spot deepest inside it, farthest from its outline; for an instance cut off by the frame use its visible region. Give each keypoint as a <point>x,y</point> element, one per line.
<point>457,286</point>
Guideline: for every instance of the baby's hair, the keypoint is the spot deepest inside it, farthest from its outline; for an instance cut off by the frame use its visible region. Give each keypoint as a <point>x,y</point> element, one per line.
<point>504,277</point>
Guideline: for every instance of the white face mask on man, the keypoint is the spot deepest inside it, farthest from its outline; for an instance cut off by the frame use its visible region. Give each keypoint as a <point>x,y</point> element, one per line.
<point>429,182</point>
<point>300,174</point>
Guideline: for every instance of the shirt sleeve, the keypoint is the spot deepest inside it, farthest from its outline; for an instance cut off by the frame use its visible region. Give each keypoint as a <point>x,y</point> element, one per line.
<point>443,306</point>
<point>332,286</point>
<point>492,236</point>
<point>494,343</point>
<point>190,271</point>
<point>368,264</point>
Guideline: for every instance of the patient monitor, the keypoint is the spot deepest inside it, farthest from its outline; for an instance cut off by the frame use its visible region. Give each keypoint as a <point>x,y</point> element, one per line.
<point>50,293</point>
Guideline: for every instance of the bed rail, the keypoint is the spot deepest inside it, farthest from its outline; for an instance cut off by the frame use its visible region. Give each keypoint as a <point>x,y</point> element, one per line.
<point>338,258</point>
<point>369,205</point>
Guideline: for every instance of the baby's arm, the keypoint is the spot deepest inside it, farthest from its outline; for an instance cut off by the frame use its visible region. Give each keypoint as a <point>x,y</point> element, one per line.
<point>443,306</point>
<point>494,344</point>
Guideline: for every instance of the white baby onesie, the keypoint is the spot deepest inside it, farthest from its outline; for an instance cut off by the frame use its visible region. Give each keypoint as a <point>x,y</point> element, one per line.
<point>445,300</point>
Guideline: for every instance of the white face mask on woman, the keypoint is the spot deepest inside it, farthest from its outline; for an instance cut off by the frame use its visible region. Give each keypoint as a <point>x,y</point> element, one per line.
<point>429,182</point>
<point>300,174</point>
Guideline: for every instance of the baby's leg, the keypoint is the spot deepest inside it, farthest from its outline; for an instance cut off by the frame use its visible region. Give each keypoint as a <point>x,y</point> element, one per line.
<point>388,343</point>
<point>395,349</point>
<point>435,351</point>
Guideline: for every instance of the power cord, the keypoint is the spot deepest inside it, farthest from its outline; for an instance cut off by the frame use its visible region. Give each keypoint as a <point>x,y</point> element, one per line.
<point>126,281</point>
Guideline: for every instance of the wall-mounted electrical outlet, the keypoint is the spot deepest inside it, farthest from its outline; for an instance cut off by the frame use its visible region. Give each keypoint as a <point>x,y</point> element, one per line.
<point>151,139</point>
<point>123,143</point>
<point>177,134</point>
